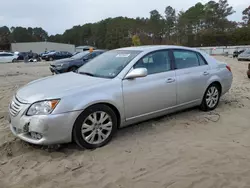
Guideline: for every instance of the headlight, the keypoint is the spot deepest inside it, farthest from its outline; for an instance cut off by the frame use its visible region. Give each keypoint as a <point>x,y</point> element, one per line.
<point>42,107</point>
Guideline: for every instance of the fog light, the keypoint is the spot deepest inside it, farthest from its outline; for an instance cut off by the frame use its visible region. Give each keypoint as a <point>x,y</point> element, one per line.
<point>36,136</point>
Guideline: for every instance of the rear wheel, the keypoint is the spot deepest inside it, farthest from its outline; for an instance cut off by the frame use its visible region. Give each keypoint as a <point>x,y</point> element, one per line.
<point>211,98</point>
<point>95,127</point>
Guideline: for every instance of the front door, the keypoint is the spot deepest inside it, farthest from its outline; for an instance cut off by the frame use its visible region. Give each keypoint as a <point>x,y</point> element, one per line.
<point>192,74</point>
<point>153,93</point>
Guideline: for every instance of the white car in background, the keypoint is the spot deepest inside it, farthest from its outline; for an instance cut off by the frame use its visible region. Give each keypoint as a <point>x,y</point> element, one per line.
<point>7,57</point>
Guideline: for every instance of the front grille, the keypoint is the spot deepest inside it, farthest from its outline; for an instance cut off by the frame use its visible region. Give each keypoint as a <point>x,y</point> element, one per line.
<point>15,106</point>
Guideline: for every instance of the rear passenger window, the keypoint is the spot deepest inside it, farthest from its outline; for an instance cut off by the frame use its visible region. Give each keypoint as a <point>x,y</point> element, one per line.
<point>185,59</point>
<point>201,60</point>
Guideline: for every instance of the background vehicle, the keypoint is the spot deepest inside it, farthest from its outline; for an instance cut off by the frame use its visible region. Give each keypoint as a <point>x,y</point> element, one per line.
<point>43,54</point>
<point>21,56</point>
<point>75,53</point>
<point>236,53</point>
<point>248,71</point>
<point>244,55</point>
<point>116,89</point>
<point>7,57</point>
<point>73,63</point>
<point>56,55</point>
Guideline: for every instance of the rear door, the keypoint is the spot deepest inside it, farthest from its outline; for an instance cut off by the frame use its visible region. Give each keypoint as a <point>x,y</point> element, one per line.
<point>192,74</point>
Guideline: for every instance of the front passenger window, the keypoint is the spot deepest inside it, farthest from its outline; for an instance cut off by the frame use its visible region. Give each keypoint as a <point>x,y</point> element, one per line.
<point>155,62</point>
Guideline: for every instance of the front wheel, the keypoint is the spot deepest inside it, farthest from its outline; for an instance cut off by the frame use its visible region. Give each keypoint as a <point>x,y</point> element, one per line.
<point>95,126</point>
<point>211,98</point>
<point>51,59</point>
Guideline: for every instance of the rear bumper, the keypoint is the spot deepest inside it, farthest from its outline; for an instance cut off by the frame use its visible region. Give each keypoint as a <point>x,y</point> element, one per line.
<point>226,83</point>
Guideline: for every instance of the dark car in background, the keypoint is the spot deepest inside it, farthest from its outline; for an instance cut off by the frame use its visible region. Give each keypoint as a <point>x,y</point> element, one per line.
<point>22,55</point>
<point>56,55</point>
<point>30,56</point>
<point>73,63</point>
<point>236,53</point>
<point>248,71</point>
<point>43,54</point>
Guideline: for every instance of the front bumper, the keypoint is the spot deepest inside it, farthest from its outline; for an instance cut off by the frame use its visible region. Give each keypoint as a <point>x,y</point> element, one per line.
<point>57,71</point>
<point>54,129</point>
<point>243,58</point>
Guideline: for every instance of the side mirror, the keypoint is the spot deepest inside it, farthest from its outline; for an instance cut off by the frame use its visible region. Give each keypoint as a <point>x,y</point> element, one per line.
<point>137,73</point>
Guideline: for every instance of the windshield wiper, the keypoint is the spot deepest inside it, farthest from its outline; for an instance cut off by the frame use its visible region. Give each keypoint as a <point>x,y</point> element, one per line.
<point>86,73</point>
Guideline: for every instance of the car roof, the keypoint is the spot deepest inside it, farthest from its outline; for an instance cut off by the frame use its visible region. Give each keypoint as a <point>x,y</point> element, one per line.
<point>155,47</point>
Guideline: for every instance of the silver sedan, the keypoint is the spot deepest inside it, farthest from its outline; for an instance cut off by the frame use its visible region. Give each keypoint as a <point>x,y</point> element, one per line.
<point>244,55</point>
<point>116,89</point>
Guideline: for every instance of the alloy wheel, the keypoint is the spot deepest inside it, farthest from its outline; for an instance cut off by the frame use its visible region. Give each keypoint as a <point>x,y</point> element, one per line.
<point>97,127</point>
<point>212,97</point>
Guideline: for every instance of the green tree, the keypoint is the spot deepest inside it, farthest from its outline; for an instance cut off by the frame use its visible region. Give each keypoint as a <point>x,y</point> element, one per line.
<point>246,16</point>
<point>170,21</point>
<point>4,38</point>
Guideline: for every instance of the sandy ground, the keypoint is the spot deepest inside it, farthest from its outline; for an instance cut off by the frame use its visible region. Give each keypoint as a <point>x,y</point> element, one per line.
<point>190,149</point>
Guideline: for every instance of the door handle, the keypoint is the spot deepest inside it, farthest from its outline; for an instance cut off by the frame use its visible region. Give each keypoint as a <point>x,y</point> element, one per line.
<point>170,80</point>
<point>205,73</point>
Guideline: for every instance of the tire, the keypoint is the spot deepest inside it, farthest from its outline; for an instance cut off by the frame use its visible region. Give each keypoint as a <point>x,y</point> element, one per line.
<point>14,60</point>
<point>51,59</point>
<point>248,76</point>
<point>72,69</point>
<point>89,139</point>
<point>208,105</point>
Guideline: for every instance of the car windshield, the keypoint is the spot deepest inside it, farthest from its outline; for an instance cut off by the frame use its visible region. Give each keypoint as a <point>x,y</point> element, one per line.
<point>108,64</point>
<point>80,55</point>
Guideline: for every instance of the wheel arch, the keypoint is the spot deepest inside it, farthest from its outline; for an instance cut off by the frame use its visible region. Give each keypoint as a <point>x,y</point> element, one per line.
<point>213,81</point>
<point>218,84</point>
<point>112,106</point>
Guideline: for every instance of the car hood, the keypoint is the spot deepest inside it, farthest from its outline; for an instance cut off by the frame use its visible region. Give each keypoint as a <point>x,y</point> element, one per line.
<point>244,55</point>
<point>57,86</point>
<point>57,62</point>
<point>66,60</point>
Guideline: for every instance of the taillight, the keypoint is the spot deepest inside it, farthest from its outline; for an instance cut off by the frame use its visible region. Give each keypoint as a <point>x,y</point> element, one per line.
<point>228,68</point>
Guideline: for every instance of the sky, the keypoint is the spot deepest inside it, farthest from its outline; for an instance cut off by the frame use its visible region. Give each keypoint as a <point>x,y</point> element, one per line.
<point>55,16</point>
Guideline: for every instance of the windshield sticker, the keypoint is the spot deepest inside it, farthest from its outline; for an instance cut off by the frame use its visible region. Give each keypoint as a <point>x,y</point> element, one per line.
<point>122,55</point>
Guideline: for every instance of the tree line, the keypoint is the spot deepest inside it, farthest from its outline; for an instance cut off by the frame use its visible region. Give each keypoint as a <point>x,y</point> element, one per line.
<point>200,25</point>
